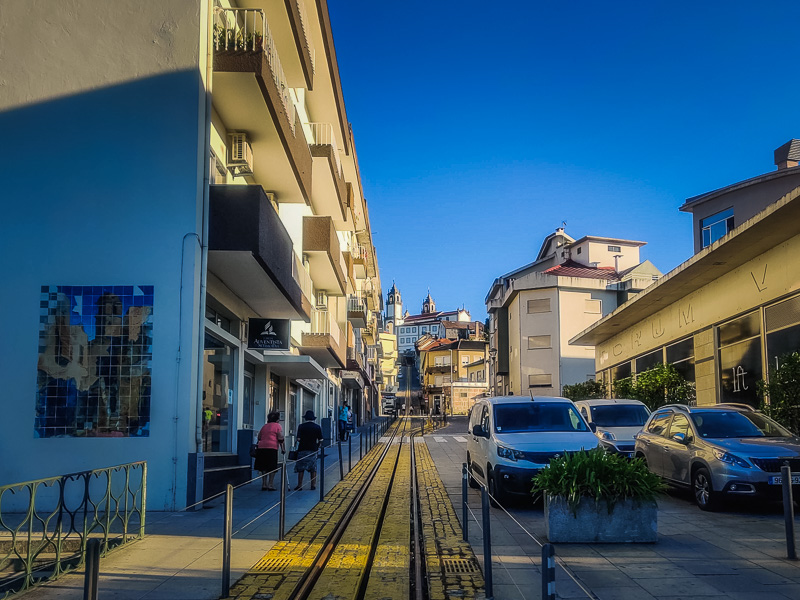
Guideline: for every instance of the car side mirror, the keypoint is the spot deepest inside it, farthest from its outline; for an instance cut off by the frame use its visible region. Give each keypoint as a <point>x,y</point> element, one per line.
<point>680,438</point>
<point>593,427</point>
<point>477,431</point>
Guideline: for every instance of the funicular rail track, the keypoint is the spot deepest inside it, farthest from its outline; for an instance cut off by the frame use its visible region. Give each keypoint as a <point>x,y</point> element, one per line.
<point>383,513</point>
<point>363,543</point>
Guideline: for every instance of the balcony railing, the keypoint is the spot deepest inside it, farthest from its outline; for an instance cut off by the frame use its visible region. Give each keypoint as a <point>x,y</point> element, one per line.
<point>302,277</point>
<point>356,304</point>
<point>301,5</point>
<point>246,30</point>
<point>322,135</point>
<point>323,323</point>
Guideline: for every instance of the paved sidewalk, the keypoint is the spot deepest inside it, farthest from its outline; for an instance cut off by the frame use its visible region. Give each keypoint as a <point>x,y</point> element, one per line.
<point>735,554</point>
<point>180,558</point>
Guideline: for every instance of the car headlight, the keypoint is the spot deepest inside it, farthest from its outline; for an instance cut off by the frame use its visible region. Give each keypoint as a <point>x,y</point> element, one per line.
<point>607,435</point>
<point>731,459</point>
<point>509,453</point>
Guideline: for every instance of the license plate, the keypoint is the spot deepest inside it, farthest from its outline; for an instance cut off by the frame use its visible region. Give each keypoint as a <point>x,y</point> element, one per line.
<point>778,480</point>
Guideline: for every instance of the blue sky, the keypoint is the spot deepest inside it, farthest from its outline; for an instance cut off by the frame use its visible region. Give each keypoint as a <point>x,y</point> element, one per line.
<point>480,126</point>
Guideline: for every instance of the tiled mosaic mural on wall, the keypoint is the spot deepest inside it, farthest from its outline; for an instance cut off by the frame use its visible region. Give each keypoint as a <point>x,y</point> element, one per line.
<point>95,361</point>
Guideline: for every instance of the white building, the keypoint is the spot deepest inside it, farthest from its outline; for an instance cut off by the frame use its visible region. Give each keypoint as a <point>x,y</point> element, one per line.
<point>536,309</point>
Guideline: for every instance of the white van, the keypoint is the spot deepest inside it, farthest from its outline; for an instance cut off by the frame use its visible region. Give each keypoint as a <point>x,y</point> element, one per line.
<point>511,438</point>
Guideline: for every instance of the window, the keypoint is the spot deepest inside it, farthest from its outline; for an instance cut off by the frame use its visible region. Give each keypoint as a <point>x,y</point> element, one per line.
<point>536,342</point>
<point>521,417</point>
<point>714,227</point>
<point>680,424</point>
<point>783,329</point>
<point>740,359</point>
<point>540,380</point>
<point>615,249</point>
<point>592,306</point>
<point>659,423</point>
<point>464,360</point>
<point>681,356</point>
<point>579,250</point>
<point>648,361</point>
<point>542,305</point>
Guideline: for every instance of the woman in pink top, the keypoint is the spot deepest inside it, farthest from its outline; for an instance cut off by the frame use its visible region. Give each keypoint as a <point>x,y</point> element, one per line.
<point>270,438</point>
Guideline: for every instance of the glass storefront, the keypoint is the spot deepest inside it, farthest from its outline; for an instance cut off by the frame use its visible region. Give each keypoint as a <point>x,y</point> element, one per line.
<point>248,397</point>
<point>740,359</point>
<point>219,419</point>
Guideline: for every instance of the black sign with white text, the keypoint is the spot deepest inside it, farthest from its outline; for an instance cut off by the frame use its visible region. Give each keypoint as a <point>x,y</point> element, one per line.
<point>268,334</point>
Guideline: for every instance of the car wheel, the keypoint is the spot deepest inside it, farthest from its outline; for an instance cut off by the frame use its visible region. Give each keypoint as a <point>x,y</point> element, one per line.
<point>473,483</point>
<point>644,459</point>
<point>704,494</point>
<point>495,490</point>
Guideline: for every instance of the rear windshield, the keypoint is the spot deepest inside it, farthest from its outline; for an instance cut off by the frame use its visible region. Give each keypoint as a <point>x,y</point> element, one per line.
<point>733,424</point>
<point>619,415</point>
<point>537,416</point>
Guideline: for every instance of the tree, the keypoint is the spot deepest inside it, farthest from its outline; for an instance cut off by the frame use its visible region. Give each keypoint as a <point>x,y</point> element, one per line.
<point>585,391</point>
<point>658,385</point>
<point>781,396</point>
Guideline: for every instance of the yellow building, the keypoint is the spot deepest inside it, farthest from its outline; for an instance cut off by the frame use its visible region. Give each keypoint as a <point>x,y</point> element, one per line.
<point>728,314</point>
<point>445,366</point>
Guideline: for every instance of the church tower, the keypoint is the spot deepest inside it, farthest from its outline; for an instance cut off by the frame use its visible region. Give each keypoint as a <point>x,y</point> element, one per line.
<point>394,306</point>
<point>428,306</point>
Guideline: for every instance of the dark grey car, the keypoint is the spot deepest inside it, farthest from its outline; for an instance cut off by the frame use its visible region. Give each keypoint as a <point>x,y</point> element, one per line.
<point>726,449</point>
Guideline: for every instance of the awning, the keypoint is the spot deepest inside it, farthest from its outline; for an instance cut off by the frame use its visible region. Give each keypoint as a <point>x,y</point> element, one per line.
<point>295,366</point>
<point>351,379</point>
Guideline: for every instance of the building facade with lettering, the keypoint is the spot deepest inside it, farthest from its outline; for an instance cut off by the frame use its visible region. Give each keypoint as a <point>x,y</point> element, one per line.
<point>536,309</point>
<point>728,314</point>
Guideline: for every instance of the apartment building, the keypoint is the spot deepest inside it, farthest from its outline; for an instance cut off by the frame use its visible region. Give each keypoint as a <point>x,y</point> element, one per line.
<point>449,374</point>
<point>536,309</point>
<point>194,249</point>
<point>728,314</point>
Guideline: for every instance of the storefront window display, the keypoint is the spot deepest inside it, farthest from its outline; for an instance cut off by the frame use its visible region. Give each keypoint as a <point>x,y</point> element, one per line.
<point>740,359</point>
<point>218,395</point>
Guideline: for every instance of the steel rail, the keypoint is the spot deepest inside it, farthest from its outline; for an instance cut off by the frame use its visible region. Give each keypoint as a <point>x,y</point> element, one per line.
<point>305,586</point>
<point>419,583</point>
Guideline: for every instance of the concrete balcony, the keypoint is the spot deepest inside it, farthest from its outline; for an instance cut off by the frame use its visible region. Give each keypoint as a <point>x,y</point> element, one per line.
<point>326,263</point>
<point>324,343</point>
<point>251,252</point>
<point>251,93</point>
<point>356,311</point>
<point>359,254</point>
<point>329,189</point>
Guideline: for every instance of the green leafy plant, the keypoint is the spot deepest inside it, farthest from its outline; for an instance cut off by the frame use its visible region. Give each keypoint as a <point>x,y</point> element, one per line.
<point>658,385</point>
<point>598,475</point>
<point>781,395</point>
<point>585,390</point>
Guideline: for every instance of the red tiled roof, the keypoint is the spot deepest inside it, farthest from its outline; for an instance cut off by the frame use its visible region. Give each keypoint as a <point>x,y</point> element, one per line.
<point>574,269</point>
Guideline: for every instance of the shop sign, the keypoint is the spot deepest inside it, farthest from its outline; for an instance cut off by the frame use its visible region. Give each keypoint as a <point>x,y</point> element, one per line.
<point>268,334</point>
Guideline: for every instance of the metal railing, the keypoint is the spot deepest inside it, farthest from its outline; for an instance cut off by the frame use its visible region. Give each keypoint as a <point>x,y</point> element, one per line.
<point>322,134</point>
<point>301,5</point>
<point>322,323</point>
<point>247,30</point>
<point>356,304</point>
<point>300,274</point>
<point>45,524</point>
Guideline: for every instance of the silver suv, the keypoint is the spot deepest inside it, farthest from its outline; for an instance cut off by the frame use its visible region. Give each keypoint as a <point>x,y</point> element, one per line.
<point>720,449</point>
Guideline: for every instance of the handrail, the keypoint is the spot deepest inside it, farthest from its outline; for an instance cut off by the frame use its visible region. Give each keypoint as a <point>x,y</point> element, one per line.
<point>48,537</point>
<point>247,30</point>
<point>322,134</point>
<point>301,6</point>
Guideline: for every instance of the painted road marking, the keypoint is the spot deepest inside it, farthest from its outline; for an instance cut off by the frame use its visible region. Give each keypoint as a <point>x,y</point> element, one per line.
<point>459,438</point>
<point>439,439</point>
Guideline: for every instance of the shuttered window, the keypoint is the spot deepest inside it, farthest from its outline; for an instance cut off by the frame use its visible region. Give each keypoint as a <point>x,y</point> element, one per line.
<point>540,305</point>
<point>538,341</point>
<point>540,380</point>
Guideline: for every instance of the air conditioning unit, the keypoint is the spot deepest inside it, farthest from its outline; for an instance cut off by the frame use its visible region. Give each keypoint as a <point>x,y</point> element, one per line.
<point>322,300</point>
<point>240,154</point>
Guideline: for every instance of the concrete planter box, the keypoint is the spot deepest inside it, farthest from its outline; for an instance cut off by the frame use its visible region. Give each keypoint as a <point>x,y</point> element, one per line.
<point>629,521</point>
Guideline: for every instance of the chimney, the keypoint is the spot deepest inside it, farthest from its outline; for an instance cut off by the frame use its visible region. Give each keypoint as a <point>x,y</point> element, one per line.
<point>788,155</point>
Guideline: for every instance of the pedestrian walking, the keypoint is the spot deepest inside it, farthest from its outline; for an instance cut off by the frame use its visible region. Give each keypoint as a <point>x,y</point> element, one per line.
<point>309,436</point>
<point>270,438</point>
<point>344,417</point>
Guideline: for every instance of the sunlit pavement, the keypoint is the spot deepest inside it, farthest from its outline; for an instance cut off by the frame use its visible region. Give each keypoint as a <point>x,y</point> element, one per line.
<point>737,553</point>
<point>180,558</point>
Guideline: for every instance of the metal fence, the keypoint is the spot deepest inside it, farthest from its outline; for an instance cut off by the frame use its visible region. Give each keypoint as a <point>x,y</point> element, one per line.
<point>45,524</point>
